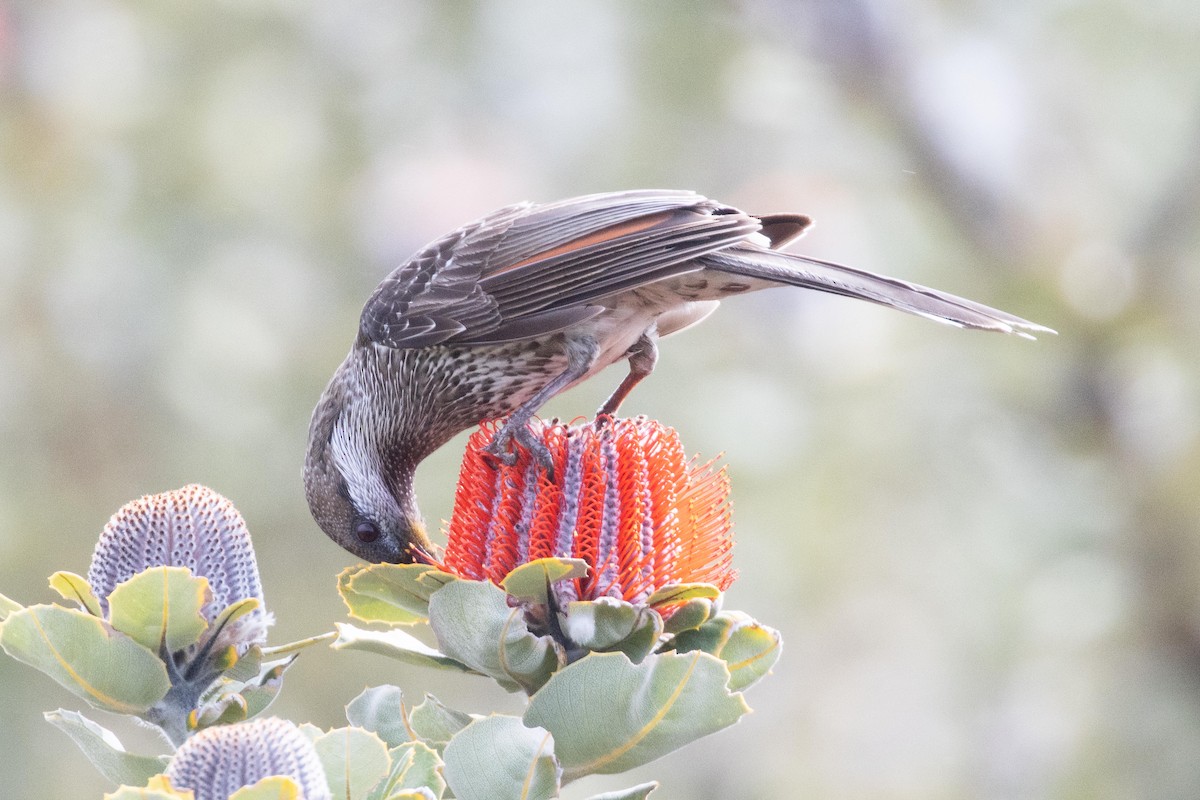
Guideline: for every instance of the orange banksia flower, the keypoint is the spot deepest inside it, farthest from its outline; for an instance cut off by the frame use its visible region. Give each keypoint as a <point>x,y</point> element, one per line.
<point>623,497</point>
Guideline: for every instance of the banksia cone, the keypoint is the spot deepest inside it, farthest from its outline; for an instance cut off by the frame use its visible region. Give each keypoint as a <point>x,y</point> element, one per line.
<point>623,497</point>
<point>216,762</point>
<point>191,527</point>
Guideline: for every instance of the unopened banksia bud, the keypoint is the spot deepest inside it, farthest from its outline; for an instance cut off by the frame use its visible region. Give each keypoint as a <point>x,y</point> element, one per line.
<point>191,527</point>
<point>216,762</point>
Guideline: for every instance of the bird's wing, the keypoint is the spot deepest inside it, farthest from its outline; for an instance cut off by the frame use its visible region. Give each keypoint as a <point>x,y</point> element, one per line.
<point>529,270</point>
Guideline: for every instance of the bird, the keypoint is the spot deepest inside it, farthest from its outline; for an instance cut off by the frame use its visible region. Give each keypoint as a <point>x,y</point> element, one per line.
<point>493,319</point>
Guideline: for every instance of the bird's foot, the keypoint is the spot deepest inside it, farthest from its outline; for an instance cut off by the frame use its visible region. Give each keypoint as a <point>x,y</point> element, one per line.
<point>536,448</point>
<point>501,449</point>
<point>498,451</point>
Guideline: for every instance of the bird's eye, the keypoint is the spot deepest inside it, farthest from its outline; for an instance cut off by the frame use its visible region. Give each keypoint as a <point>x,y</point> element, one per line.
<point>366,531</point>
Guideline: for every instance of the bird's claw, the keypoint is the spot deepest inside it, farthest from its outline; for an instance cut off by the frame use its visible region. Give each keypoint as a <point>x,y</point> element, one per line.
<point>499,451</point>
<point>538,449</point>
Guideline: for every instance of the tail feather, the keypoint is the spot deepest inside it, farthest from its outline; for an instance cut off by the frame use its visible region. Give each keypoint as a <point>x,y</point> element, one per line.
<point>825,276</point>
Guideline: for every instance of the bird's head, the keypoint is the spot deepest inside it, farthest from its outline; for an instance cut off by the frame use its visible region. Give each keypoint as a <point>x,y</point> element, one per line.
<point>379,532</point>
<point>358,495</point>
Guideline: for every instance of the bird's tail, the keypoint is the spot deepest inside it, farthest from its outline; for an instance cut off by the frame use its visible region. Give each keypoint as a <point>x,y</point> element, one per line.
<point>825,276</point>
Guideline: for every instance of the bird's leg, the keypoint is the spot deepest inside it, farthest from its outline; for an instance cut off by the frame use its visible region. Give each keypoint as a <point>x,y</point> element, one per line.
<point>642,358</point>
<point>579,360</point>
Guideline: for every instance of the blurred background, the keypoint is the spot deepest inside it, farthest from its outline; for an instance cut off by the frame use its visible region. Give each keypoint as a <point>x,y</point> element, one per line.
<point>983,552</point>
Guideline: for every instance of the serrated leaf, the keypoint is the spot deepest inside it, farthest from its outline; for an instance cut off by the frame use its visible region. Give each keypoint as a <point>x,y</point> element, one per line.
<point>8,606</point>
<point>474,625</point>
<point>499,757</point>
<point>83,654</point>
<point>679,592</point>
<point>234,611</point>
<point>392,593</point>
<point>311,731</point>
<point>415,766</point>
<point>247,667</point>
<point>639,792</point>
<point>688,615</point>
<point>258,697</point>
<point>244,691</point>
<point>354,761</point>
<point>224,710</point>
<point>75,587</point>
<point>608,624</point>
<point>160,604</point>
<point>666,701</point>
<point>599,624</point>
<point>531,581</point>
<point>298,645</point>
<point>159,788</point>
<point>380,710</point>
<point>436,723</point>
<point>748,648</point>
<point>274,788</point>
<point>105,751</point>
<point>395,644</point>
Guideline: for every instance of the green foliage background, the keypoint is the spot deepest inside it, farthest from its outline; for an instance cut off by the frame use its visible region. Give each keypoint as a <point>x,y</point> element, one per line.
<point>982,552</point>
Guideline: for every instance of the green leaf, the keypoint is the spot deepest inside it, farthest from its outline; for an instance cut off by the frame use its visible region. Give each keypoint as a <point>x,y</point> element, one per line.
<point>436,723</point>
<point>311,731</point>
<point>234,611</point>
<point>499,757</point>
<point>105,751</point>
<point>274,788</point>
<point>688,615</point>
<point>380,710</point>
<point>224,710</point>
<point>680,592</point>
<point>599,624</point>
<point>8,606</point>
<point>531,580</point>
<point>609,624</point>
<point>474,625</point>
<point>161,604</point>
<point>260,692</point>
<point>244,691</point>
<point>298,645</point>
<point>354,761</point>
<point>75,587</point>
<point>414,766</point>
<point>748,649</point>
<point>103,666</point>
<point>159,789</point>
<point>395,644</point>
<point>247,667</point>
<point>639,792</point>
<point>392,593</point>
<point>665,702</point>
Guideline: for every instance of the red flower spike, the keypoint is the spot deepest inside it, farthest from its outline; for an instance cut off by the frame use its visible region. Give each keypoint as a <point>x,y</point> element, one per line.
<point>624,499</point>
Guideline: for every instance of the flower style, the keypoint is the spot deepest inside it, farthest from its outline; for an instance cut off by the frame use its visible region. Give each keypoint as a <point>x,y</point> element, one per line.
<point>216,762</point>
<point>622,496</point>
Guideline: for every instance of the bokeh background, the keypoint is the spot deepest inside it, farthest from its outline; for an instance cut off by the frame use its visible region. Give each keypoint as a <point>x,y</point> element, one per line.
<point>982,552</point>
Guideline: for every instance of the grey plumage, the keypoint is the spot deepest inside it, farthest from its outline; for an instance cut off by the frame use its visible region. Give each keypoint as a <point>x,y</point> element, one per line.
<point>498,316</point>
